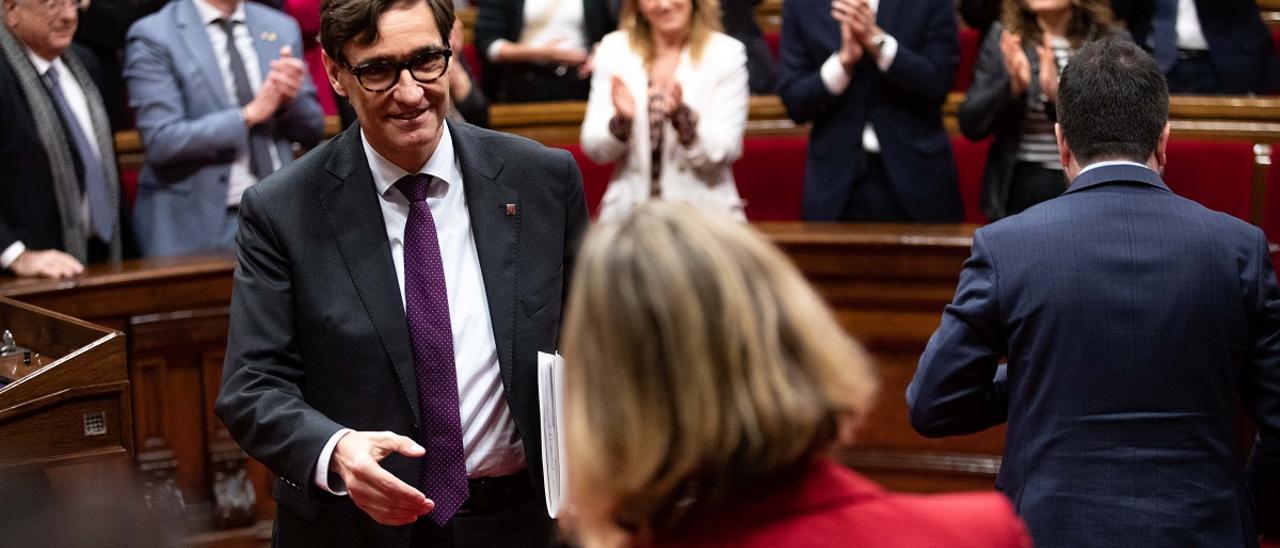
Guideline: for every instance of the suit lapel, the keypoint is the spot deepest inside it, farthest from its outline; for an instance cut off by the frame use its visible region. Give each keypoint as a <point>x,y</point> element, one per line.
<point>357,224</point>
<point>265,41</point>
<point>196,39</point>
<point>497,236</point>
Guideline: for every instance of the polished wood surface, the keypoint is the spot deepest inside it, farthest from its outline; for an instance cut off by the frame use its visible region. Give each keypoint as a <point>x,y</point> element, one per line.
<point>72,410</point>
<point>887,285</point>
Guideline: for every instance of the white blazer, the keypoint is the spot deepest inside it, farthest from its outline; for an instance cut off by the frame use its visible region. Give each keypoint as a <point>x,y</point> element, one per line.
<point>715,88</point>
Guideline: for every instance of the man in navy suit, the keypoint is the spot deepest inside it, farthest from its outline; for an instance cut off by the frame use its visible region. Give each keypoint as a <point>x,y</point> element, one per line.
<point>1133,321</point>
<point>1203,46</point>
<point>871,75</point>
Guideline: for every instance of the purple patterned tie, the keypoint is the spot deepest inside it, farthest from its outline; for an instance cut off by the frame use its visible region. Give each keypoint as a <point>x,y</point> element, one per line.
<point>443,474</point>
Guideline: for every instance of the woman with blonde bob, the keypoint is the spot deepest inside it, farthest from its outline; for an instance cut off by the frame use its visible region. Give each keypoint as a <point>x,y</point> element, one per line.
<point>707,384</point>
<point>668,106</point>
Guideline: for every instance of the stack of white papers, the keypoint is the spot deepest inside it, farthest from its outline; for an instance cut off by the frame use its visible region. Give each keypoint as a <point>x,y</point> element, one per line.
<point>551,416</point>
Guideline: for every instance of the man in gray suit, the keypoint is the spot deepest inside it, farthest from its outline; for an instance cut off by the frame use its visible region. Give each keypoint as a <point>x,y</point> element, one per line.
<point>393,289</point>
<point>220,101</point>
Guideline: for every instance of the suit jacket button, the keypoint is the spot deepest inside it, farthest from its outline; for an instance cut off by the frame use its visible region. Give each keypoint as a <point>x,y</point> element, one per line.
<point>413,431</point>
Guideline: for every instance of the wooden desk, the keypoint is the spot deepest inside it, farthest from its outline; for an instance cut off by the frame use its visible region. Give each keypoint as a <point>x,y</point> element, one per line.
<point>174,312</point>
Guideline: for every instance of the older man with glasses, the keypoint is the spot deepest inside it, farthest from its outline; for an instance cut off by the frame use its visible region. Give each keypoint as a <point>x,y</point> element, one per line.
<point>221,98</point>
<point>59,195</point>
<point>393,290</point>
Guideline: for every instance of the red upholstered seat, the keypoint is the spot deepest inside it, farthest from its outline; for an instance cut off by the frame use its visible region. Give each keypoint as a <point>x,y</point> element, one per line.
<point>595,177</point>
<point>971,161</point>
<point>477,70</point>
<point>129,187</point>
<point>970,41</point>
<point>770,177</point>
<point>773,39</point>
<point>1215,174</point>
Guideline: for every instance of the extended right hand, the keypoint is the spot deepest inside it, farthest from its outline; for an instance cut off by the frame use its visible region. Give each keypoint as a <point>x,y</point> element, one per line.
<point>383,496</point>
<point>1015,62</point>
<point>47,263</point>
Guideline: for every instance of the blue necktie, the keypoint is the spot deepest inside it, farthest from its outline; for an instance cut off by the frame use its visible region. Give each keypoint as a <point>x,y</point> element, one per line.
<point>259,140</point>
<point>1164,34</point>
<point>102,218</point>
<point>443,474</point>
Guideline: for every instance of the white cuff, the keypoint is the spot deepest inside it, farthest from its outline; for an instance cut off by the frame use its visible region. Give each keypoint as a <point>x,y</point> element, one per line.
<point>322,465</point>
<point>11,254</point>
<point>494,48</point>
<point>834,77</point>
<point>888,51</point>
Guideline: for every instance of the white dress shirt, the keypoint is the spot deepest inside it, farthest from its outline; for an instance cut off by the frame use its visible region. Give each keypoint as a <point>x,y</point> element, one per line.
<point>241,177</point>
<point>547,21</point>
<point>490,441</point>
<point>1190,35</point>
<point>78,102</point>
<point>836,78</point>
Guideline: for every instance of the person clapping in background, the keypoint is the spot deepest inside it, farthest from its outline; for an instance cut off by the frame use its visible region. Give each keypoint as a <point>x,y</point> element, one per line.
<point>668,105</point>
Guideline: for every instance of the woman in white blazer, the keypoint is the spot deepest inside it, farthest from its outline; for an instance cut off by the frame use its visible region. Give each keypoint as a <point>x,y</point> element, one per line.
<point>668,105</point>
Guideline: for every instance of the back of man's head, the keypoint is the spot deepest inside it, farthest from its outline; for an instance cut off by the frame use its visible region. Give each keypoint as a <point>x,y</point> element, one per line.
<point>1113,102</point>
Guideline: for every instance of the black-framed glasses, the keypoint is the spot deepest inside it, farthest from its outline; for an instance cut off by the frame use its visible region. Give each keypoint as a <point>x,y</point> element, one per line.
<point>380,76</point>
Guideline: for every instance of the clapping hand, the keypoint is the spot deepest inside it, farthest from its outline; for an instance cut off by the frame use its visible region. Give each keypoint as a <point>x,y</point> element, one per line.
<point>1015,62</point>
<point>851,48</point>
<point>623,102</point>
<point>1048,69</point>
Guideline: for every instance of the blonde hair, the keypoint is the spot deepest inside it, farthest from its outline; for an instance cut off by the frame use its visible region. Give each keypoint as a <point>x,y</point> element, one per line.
<point>704,19</point>
<point>699,361</point>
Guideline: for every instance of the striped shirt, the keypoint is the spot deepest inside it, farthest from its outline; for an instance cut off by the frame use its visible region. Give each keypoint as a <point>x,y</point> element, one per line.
<point>1039,146</point>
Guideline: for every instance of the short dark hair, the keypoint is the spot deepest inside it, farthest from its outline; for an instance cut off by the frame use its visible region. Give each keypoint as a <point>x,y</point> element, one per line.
<point>342,21</point>
<point>1113,102</point>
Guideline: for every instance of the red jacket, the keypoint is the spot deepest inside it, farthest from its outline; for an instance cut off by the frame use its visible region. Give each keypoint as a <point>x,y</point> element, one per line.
<point>833,506</point>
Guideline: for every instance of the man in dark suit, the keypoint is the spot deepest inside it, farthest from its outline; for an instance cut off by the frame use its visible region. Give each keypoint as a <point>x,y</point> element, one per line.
<point>1205,46</point>
<point>871,75</point>
<point>59,192</point>
<point>393,289</point>
<point>1133,322</point>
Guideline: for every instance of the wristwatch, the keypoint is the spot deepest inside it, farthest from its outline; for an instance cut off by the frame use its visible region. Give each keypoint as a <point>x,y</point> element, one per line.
<point>879,40</point>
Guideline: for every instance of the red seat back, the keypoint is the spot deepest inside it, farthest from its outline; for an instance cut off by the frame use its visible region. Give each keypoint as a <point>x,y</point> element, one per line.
<point>770,177</point>
<point>970,41</point>
<point>971,162</point>
<point>595,177</point>
<point>1216,174</point>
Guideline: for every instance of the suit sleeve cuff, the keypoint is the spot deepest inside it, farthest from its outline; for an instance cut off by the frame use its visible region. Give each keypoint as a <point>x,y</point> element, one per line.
<point>322,481</point>
<point>834,77</point>
<point>888,52</point>
<point>11,254</point>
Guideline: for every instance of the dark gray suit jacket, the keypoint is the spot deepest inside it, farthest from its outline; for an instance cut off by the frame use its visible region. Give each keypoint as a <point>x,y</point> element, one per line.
<point>318,337</point>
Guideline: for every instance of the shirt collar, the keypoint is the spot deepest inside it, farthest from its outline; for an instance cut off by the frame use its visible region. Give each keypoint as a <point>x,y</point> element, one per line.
<point>209,14</point>
<point>42,65</point>
<point>1093,166</point>
<point>443,165</point>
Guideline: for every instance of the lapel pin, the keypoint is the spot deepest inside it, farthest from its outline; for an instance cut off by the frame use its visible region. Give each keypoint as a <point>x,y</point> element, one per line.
<point>511,210</point>
<point>268,36</point>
